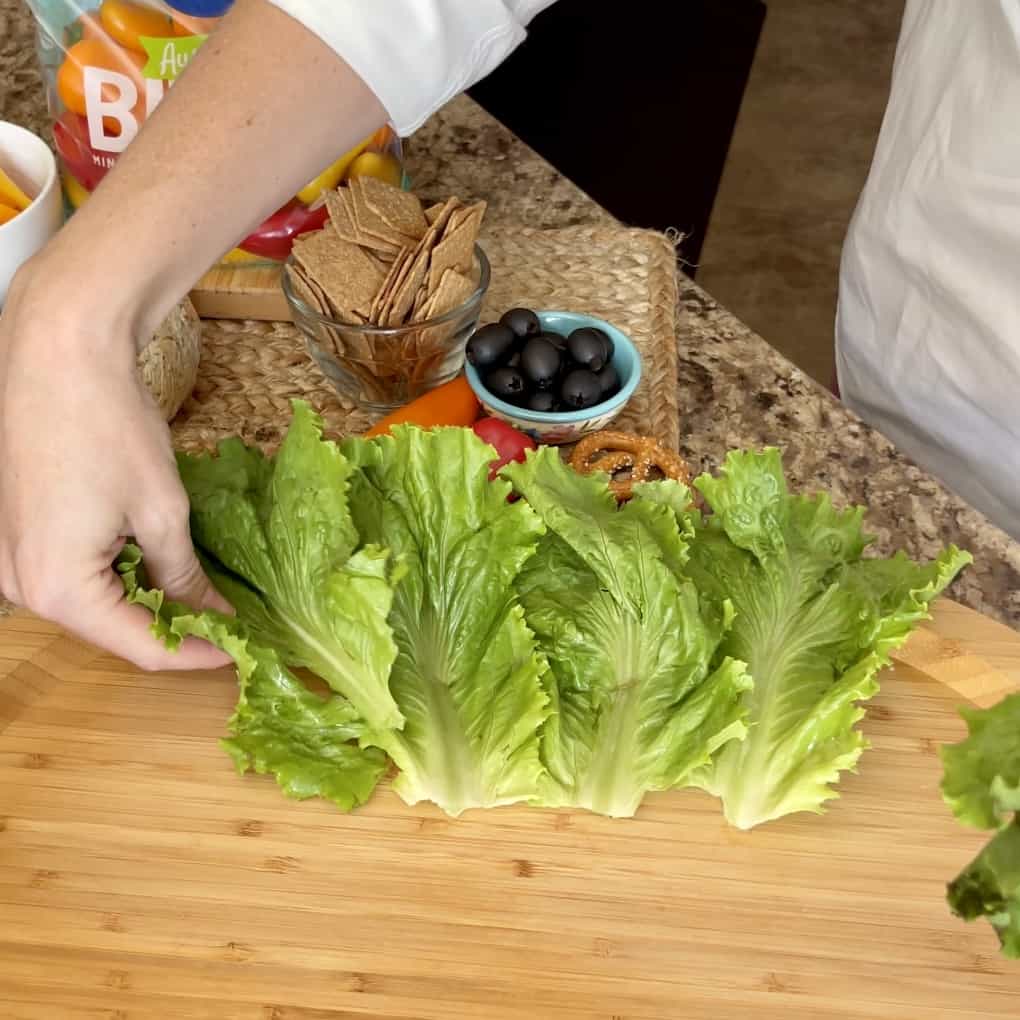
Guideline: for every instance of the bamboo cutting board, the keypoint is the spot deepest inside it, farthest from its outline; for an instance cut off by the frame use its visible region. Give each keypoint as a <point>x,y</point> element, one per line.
<point>141,879</point>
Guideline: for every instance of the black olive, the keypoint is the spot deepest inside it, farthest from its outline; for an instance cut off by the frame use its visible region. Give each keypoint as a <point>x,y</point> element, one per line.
<point>581,389</point>
<point>543,400</point>
<point>609,380</point>
<point>515,360</point>
<point>490,345</point>
<point>507,384</point>
<point>586,348</point>
<point>607,342</point>
<point>523,321</point>
<point>556,339</point>
<point>540,362</point>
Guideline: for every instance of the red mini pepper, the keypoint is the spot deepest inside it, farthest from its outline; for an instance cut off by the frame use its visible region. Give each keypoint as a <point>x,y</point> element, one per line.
<point>275,237</point>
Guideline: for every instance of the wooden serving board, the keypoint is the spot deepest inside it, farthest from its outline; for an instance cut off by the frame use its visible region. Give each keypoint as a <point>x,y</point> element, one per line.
<point>241,292</point>
<point>141,878</point>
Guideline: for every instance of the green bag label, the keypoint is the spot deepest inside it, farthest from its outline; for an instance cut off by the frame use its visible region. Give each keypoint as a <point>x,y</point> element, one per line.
<point>168,57</point>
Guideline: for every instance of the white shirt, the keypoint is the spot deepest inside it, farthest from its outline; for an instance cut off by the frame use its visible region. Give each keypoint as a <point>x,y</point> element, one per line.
<point>928,327</point>
<point>416,55</point>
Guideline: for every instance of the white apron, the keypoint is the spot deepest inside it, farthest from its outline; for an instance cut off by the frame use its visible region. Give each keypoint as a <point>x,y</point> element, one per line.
<point>928,326</point>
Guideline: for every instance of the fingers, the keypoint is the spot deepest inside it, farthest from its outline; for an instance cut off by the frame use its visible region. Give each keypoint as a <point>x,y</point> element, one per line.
<point>94,608</point>
<point>163,534</point>
<point>99,614</point>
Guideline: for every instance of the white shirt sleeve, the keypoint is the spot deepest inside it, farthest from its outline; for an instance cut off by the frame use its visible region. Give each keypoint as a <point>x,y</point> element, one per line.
<point>416,55</point>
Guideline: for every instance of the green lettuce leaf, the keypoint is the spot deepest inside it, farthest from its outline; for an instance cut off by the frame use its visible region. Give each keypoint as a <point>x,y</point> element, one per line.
<point>982,773</point>
<point>467,678</point>
<point>981,785</point>
<point>278,540</point>
<point>989,887</point>
<point>636,702</point>
<point>308,742</point>
<point>814,622</point>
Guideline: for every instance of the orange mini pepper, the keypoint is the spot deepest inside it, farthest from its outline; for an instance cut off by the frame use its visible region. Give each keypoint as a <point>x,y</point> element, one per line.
<point>129,22</point>
<point>453,403</point>
<point>96,52</point>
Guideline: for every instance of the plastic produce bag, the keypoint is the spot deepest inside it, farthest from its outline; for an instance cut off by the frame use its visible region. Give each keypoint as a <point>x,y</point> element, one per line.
<point>107,65</point>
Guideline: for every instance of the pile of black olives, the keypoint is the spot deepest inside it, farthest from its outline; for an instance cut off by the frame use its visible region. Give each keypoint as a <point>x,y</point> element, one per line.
<point>525,365</point>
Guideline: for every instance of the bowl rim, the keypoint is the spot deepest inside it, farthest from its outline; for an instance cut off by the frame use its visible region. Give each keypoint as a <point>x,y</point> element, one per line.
<point>484,278</point>
<point>564,417</point>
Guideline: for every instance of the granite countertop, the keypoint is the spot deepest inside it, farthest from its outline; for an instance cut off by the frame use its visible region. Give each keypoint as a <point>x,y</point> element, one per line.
<point>735,390</point>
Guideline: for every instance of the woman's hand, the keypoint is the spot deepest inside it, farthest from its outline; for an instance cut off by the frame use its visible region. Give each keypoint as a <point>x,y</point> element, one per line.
<point>87,461</point>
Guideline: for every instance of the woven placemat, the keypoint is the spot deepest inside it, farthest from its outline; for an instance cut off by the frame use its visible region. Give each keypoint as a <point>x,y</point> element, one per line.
<point>251,371</point>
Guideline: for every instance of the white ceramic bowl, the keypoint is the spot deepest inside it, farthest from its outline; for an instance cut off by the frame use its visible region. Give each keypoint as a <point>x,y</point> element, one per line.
<point>30,164</point>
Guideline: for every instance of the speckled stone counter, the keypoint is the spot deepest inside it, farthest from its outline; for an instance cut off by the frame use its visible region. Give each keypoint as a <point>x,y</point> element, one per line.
<point>735,390</point>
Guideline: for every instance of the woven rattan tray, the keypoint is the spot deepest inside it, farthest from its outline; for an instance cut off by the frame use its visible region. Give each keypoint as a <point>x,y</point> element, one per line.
<point>251,371</point>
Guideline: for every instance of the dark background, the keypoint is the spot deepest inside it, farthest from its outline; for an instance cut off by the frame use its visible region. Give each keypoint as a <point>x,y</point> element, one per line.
<point>633,100</point>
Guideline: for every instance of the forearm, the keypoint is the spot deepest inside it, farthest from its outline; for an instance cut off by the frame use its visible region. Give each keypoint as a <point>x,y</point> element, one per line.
<point>279,105</point>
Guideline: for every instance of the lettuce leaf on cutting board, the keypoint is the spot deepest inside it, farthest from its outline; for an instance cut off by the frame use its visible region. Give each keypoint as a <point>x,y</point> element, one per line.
<point>308,742</point>
<point>981,785</point>
<point>814,622</point>
<point>467,678</point>
<point>277,538</point>
<point>637,702</point>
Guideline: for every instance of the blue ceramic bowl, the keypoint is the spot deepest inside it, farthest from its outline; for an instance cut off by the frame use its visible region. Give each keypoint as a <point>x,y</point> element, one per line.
<point>555,427</point>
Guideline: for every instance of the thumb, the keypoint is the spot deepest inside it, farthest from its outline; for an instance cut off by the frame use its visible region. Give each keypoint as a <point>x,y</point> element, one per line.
<point>164,536</point>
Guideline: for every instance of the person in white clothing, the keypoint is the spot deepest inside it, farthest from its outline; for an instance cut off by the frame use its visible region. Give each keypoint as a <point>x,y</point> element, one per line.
<point>925,344</point>
<point>928,325</point>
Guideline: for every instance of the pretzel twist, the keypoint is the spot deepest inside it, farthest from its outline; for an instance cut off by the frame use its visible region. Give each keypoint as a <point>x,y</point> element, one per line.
<point>613,452</point>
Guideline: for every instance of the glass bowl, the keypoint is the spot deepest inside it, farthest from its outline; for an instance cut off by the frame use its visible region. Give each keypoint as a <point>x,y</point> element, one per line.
<point>382,368</point>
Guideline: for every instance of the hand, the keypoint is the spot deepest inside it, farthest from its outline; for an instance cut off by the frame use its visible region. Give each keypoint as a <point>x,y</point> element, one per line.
<point>87,462</point>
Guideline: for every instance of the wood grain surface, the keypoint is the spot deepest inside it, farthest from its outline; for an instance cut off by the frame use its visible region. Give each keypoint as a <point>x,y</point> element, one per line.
<point>241,292</point>
<point>140,877</point>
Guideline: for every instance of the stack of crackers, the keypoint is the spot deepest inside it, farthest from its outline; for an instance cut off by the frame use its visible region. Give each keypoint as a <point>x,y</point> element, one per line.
<point>383,260</point>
